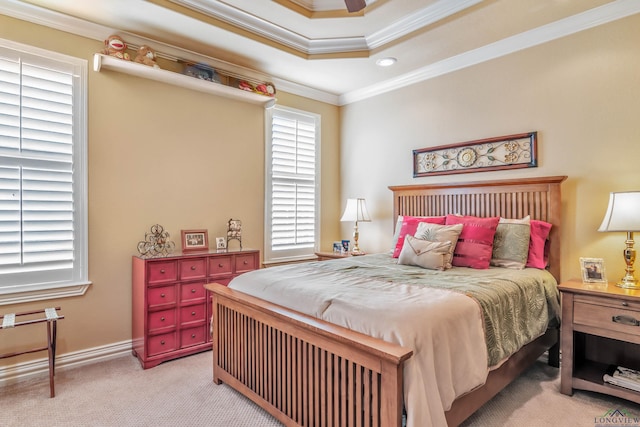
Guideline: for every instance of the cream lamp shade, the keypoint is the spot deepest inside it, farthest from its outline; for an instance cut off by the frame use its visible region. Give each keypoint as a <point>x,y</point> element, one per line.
<point>623,214</point>
<point>356,211</point>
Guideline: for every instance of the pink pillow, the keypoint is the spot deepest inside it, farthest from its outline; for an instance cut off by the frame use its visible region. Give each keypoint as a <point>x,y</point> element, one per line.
<point>475,245</point>
<point>538,256</point>
<point>410,225</point>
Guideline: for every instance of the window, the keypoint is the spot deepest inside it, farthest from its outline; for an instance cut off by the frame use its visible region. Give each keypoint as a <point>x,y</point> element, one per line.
<point>292,184</point>
<point>43,200</point>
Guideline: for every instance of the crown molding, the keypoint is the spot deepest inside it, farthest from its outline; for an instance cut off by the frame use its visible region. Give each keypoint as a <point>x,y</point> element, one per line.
<point>583,21</point>
<point>427,16</point>
<point>327,46</point>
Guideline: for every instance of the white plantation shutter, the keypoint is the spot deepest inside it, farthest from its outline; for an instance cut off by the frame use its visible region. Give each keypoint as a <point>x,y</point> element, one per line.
<point>42,170</point>
<point>292,184</point>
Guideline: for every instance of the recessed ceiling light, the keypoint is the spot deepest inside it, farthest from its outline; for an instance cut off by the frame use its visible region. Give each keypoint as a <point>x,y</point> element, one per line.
<point>385,62</point>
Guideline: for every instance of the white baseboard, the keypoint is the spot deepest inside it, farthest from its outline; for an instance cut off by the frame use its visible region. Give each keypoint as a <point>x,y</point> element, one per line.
<point>22,371</point>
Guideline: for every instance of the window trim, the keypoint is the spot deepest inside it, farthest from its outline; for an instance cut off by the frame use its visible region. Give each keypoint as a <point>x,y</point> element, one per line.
<point>268,255</point>
<point>36,292</point>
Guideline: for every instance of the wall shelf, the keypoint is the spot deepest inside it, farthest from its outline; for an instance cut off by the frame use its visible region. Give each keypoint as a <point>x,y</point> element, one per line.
<point>106,62</point>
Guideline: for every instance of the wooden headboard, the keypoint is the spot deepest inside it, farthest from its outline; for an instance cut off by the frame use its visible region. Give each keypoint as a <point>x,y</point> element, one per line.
<point>539,198</point>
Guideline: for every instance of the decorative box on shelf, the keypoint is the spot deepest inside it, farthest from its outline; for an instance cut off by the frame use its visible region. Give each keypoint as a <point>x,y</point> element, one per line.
<point>171,308</point>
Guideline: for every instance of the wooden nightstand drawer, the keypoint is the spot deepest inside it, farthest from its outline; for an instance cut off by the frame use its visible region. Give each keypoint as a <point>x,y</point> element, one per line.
<point>617,319</point>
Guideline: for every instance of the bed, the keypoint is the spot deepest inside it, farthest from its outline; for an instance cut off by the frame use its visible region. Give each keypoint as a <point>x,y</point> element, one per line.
<point>308,371</point>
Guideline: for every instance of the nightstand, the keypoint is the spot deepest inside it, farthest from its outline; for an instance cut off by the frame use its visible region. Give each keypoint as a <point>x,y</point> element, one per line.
<point>323,256</point>
<point>600,327</point>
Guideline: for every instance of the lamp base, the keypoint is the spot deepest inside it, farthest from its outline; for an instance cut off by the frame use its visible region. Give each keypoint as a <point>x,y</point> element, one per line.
<point>628,283</point>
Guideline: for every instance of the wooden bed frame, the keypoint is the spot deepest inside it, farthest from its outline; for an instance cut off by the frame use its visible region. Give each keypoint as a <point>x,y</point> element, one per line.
<point>308,372</point>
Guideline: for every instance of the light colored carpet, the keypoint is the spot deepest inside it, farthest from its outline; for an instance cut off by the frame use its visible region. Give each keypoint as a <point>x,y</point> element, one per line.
<point>181,393</point>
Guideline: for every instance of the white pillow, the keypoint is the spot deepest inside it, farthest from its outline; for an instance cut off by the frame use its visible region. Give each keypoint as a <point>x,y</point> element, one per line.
<point>423,253</point>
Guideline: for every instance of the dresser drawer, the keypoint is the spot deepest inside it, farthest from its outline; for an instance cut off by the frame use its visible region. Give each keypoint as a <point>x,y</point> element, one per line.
<point>162,319</point>
<point>162,343</point>
<point>193,336</point>
<point>220,266</point>
<point>194,268</point>
<point>162,271</point>
<point>192,313</point>
<point>245,263</point>
<point>609,317</point>
<point>192,292</point>
<point>161,295</point>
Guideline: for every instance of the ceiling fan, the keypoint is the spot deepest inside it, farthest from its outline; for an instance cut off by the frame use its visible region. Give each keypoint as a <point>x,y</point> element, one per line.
<point>355,5</point>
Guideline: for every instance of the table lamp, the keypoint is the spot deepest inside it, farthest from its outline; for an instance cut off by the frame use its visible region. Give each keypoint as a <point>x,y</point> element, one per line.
<point>623,214</point>
<point>356,210</point>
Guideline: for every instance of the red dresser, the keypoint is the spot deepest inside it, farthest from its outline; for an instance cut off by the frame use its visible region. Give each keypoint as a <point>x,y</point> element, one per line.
<point>171,308</point>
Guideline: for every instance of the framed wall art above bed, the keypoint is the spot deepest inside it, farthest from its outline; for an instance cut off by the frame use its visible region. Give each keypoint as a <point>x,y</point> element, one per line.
<point>490,154</point>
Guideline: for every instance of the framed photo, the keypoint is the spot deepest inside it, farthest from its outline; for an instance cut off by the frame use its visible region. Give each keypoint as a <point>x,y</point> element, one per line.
<point>221,243</point>
<point>593,270</point>
<point>195,240</point>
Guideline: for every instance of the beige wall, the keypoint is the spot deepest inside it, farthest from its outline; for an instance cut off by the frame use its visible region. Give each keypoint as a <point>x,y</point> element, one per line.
<point>581,93</point>
<point>159,154</point>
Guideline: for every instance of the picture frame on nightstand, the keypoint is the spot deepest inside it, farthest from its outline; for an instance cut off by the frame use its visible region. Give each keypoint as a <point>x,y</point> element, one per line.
<point>593,270</point>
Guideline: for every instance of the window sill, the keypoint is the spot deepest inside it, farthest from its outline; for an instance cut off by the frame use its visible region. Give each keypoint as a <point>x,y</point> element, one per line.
<point>23,294</point>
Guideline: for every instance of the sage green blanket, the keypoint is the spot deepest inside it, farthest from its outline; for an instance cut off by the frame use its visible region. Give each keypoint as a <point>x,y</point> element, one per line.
<point>517,305</point>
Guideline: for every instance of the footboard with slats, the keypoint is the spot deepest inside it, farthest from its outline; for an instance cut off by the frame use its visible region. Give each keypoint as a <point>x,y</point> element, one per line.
<point>301,370</point>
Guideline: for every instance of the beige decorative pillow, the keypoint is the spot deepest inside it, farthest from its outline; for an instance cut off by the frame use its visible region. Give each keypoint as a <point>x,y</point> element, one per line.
<point>440,233</point>
<point>511,243</point>
<point>423,253</point>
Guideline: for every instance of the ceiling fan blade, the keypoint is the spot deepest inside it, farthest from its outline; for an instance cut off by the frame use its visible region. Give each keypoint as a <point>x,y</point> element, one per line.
<point>355,5</point>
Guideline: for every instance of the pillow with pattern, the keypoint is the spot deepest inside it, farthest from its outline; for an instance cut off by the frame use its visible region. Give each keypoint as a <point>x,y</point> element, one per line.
<point>511,243</point>
<point>440,233</point>
<point>423,253</point>
<point>409,226</point>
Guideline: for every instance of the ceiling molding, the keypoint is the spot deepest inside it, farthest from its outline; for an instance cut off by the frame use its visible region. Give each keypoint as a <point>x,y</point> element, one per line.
<point>410,23</point>
<point>583,21</point>
<point>335,45</point>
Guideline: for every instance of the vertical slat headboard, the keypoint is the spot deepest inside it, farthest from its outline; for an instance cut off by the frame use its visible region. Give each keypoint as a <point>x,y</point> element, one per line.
<point>540,198</point>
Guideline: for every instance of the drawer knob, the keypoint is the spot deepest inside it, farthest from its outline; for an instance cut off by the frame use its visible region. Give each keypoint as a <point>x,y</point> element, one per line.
<point>246,262</point>
<point>625,320</point>
<point>193,313</point>
<point>193,335</point>
<point>193,291</point>
<point>193,267</point>
<point>162,319</point>
<point>625,304</point>
<point>220,265</point>
<point>162,271</point>
<point>162,342</point>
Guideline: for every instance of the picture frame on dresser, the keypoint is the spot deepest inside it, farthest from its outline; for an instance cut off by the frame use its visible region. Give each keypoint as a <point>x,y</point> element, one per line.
<point>593,270</point>
<point>195,240</point>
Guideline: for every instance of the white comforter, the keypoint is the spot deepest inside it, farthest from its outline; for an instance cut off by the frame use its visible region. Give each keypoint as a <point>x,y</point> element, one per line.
<point>442,327</point>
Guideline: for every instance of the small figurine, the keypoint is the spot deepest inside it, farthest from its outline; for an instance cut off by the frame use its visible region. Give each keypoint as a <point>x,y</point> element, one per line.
<point>234,231</point>
<point>146,56</point>
<point>115,46</point>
